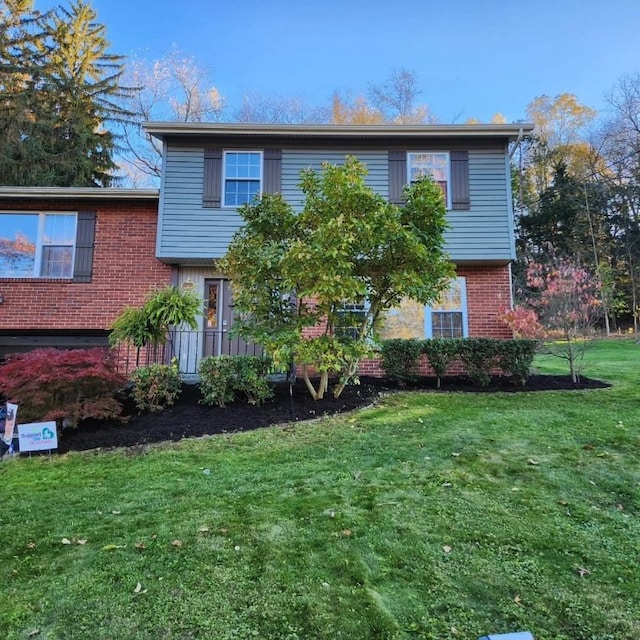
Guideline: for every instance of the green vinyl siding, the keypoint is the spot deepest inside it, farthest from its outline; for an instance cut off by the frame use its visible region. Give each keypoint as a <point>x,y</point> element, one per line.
<point>189,233</point>
<point>294,161</point>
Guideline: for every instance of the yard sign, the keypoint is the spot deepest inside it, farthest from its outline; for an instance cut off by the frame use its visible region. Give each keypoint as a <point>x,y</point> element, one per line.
<point>37,436</point>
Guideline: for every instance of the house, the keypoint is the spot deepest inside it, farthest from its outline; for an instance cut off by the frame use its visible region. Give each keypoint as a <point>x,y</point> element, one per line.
<point>211,169</point>
<point>71,259</point>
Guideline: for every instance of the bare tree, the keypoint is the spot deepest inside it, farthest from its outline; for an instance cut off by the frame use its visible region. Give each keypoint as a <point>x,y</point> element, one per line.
<point>397,97</point>
<point>265,109</point>
<point>171,88</point>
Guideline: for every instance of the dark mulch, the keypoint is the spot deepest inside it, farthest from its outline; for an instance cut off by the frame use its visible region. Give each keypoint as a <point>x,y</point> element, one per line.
<point>188,418</point>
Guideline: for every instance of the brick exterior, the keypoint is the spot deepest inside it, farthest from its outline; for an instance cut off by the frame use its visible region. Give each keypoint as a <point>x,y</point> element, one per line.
<point>488,292</point>
<point>124,270</point>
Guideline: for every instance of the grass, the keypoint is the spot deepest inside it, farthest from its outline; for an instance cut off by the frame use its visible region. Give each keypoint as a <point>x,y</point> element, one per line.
<point>430,516</point>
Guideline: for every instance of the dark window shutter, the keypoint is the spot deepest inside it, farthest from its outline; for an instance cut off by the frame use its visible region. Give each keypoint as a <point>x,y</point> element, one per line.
<point>212,191</point>
<point>272,171</point>
<point>460,180</point>
<point>397,176</point>
<point>85,240</point>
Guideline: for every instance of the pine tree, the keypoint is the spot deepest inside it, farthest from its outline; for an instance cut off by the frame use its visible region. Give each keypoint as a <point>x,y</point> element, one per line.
<point>61,87</point>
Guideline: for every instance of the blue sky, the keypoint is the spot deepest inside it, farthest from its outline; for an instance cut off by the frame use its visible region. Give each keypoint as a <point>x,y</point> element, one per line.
<point>472,58</point>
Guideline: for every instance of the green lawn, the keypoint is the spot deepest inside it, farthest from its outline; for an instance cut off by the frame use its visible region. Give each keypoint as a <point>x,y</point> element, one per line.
<point>431,516</point>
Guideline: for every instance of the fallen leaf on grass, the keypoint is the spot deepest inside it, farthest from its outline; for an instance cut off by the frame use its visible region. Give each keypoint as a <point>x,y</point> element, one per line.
<point>31,545</point>
<point>139,589</point>
<point>34,633</point>
<point>203,529</point>
<point>346,532</point>
<point>65,541</point>
<point>81,541</point>
<point>116,513</point>
<point>177,543</point>
<point>582,572</point>
<point>446,548</point>
<point>113,547</point>
<point>140,546</point>
<point>455,454</point>
<point>532,462</point>
<point>518,601</point>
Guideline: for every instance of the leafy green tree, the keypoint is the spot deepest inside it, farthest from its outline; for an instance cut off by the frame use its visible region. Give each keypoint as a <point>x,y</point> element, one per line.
<point>293,273</point>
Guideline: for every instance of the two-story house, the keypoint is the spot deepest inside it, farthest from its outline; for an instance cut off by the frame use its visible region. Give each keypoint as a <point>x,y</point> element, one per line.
<point>211,169</point>
<point>72,259</point>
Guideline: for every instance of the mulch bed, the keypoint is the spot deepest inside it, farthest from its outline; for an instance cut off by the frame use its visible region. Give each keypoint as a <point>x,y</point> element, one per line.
<point>292,403</point>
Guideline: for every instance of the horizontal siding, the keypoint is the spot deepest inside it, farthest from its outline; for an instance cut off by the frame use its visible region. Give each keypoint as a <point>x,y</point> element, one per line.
<point>295,161</point>
<point>187,230</point>
<point>190,232</point>
<point>485,232</point>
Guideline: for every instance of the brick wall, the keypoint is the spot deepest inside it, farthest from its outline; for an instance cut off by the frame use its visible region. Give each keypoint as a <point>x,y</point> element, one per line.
<point>488,292</point>
<point>124,270</point>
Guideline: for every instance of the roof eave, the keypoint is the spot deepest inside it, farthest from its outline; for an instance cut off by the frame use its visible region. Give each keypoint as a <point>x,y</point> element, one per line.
<point>76,193</point>
<point>163,130</point>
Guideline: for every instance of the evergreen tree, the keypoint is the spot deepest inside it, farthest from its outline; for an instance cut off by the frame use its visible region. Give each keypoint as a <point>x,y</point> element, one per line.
<point>60,86</point>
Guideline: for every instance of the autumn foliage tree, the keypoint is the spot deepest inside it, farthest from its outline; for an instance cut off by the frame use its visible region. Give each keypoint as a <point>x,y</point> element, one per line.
<point>62,385</point>
<point>560,305</point>
<point>294,275</point>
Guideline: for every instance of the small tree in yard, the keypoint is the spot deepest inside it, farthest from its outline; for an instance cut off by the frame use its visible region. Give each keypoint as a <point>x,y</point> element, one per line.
<point>295,271</point>
<point>62,385</point>
<point>562,307</point>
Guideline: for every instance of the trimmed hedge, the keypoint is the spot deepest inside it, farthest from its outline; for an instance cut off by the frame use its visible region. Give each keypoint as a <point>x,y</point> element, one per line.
<point>401,358</point>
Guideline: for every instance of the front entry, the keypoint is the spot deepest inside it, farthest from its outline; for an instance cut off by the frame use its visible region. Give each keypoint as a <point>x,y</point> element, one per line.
<point>219,320</point>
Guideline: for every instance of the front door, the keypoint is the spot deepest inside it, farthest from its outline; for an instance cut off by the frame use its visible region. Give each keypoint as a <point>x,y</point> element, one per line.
<point>219,320</point>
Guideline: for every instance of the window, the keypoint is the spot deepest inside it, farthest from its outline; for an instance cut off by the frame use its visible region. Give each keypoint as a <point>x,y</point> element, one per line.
<point>37,245</point>
<point>350,318</point>
<point>242,177</point>
<point>435,164</point>
<point>448,317</point>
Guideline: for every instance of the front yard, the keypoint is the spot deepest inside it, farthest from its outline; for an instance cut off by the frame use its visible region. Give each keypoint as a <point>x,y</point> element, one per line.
<point>432,516</point>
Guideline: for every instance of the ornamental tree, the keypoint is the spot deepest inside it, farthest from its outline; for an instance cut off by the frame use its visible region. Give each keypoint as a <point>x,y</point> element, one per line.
<point>294,273</point>
<point>561,306</point>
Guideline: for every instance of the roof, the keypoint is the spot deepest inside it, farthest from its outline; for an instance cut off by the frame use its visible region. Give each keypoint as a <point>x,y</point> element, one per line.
<point>76,193</point>
<point>163,130</point>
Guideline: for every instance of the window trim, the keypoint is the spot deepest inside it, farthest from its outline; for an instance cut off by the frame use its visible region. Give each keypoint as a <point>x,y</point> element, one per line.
<point>225,153</point>
<point>38,255</point>
<point>429,310</point>
<point>447,154</point>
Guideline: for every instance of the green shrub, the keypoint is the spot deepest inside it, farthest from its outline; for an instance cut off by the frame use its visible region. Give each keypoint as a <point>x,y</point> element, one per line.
<point>155,387</point>
<point>440,352</point>
<point>516,357</point>
<point>62,385</point>
<point>251,378</point>
<point>479,355</point>
<point>222,377</point>
<point>400,359</point>
<point>217,380</point>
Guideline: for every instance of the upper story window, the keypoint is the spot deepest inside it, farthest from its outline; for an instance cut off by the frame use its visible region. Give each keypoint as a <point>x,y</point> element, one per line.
<point>434,164</point>
<point>242,179</point>
<point>447,318</point>
<point>37,245</point>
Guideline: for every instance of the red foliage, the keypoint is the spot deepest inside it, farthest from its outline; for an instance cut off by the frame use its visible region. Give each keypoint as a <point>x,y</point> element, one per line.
<point>62,385</point>
<point>523,322</point>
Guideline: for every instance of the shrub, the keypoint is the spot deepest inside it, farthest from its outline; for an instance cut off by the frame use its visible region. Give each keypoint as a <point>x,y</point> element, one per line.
<point>222,377</point>
<point>516,357</point>
<point>479,355</point>
<point>217,380</point>
<point>62,385</point>
<point>251,378</point>
<point>155,387</point>
<point>400,359</point>
<point>440,352</point>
